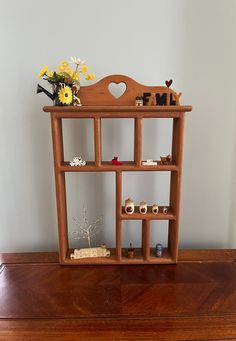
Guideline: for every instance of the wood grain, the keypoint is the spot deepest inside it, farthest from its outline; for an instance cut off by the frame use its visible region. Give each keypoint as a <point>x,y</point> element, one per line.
<point>99,94</point>
<point>99,103</point>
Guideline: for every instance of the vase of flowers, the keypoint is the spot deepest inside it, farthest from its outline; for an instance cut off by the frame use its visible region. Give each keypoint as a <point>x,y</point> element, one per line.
<point>65,82</point>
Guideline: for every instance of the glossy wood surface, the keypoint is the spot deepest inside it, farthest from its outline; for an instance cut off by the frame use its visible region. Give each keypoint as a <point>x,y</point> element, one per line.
<point>193,300</point>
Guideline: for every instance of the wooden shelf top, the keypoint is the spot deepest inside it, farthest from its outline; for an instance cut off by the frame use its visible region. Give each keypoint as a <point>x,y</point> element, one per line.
<point>118,111</point>
<point>119,108</point>
<point>107,166</point>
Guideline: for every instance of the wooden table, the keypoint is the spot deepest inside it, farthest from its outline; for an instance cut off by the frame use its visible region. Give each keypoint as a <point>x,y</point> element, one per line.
<point>193,300</point>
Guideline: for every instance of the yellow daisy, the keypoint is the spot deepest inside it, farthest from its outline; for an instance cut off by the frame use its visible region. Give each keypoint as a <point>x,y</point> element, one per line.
<point>69,71</point>
<point>43,71</point>
<point>84,69</point>
<point>63,66</point>
<point>65,95</point>
<point>50,73</point>
<point>76,76</point>
<point>90,77</point>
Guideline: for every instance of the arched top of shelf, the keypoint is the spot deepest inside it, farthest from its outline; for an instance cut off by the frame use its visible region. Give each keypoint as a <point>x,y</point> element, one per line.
<point>100,93</point>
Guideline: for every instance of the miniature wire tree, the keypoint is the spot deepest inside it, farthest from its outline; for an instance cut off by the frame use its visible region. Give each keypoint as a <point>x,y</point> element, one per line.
<point>86,230</point>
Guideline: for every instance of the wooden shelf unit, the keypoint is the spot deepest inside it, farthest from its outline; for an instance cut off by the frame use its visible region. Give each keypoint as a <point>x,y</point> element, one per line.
<point>111,107</point>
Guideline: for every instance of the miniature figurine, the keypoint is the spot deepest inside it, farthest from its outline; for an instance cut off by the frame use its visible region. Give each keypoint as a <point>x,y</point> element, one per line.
<point>92,252</point>
<point>77,161</point>
<point>129,206</point>
<point>149,162</point>
<point>155,209</point>
<point>165,159</point>
<point>165,210</point>
<point>139,101</point>
<point>130,251</point>
<point>143,207</point>
<point>116,162</point>
<point>159,250</point>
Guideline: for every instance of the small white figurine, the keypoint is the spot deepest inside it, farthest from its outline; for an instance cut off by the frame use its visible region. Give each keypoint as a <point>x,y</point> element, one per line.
<point>77,161</point>
<point>129,206</point>
<point>143,207</point>
<point>149,162</point>
<point>165,210</point>
<point>155,209</point>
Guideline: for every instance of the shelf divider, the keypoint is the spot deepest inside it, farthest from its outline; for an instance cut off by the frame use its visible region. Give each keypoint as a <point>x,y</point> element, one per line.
<point>97,141</point>
<point>138,140</point>
<point>146,239</point>
<point>60,184</point>
<point>118,215</point>
<point>175,184</point>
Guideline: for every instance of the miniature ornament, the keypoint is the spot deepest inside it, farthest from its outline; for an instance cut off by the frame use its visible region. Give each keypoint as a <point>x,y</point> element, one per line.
<point>143,207</point>
<point>159,250</point>
<point>87,230</point>
<point>93,252</point>
<point>165,159</point>
<point>77,161</point>
<point>149,162</point>
<point>168,83</point>
<point>165,210</point>
<point>129,206</point>
<point>130,251</point>
<point>116,162</point>
<point>155,209</point>
<point>139,101</point>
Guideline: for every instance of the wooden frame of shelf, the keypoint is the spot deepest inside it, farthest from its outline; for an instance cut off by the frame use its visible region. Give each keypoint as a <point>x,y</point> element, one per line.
<point>110,107</point>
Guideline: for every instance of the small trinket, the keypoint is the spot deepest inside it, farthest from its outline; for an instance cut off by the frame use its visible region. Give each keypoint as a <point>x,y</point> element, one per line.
<point>139,101</point>
<point>77,161</point>
<point>165,210</point>
<point>149,162</point>
<point>143,207</point>
<point>129,206</point>
<point>159,250</point>
<point>155,209</point>
<point>115,161</point>
<point>130,251</point>
<point>165,159</point>
<point>92,252</point>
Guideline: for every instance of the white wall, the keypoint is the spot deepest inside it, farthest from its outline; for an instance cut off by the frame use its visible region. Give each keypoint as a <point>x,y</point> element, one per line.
<point>190,41</point>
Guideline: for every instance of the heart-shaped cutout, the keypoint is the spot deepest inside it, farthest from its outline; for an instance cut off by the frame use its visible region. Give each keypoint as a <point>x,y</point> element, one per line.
<point>117,89</point>
<point>168,83</point>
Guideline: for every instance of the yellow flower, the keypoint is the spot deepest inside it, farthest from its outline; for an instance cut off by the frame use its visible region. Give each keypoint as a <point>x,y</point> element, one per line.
<point>84,69</point>
<point>69,71</point>
<point>43,71</point>
<point>65,95</point>
<point>63,66</point>
<point>76,76</point>
<point>50,73</point>
<point>90,77</point>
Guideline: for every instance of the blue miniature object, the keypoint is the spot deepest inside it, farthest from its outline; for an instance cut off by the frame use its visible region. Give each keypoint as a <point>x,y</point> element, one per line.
<point>159,250</point>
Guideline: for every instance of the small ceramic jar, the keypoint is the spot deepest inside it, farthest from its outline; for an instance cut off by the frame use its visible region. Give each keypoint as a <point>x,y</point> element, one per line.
<point>165,210</point>
<point>129,206</point>
<point>143,207</point>
<point>155,209</point>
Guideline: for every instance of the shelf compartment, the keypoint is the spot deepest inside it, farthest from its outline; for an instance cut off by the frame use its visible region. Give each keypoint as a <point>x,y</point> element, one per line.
<point>149,215</point>
<point>165,259</point>
<point>107,166</point>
